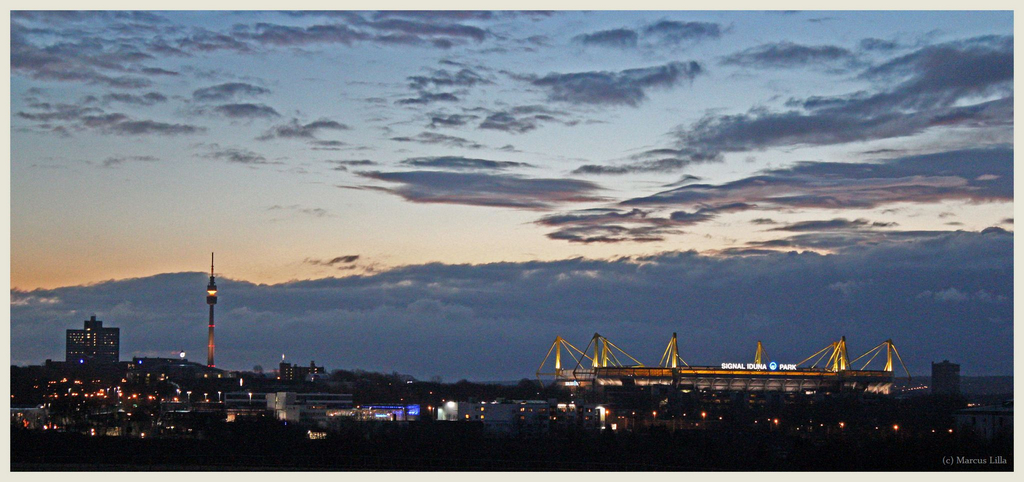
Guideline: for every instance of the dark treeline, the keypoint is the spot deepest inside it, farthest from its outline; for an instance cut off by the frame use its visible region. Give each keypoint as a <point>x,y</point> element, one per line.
<point>427,446</point>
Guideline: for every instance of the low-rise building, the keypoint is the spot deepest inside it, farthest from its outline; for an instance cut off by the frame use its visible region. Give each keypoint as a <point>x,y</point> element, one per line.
<point>309,408</point>
<point>988,422</point>
<point>514,417</point>
<point>245,404</point>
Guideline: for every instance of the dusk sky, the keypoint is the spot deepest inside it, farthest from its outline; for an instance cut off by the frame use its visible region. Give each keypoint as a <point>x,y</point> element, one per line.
<point>442,193</point>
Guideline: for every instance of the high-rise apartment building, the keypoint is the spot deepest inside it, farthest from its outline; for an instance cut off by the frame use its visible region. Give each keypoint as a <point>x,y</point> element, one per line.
<point>946,378</point>
<point>93,344</point>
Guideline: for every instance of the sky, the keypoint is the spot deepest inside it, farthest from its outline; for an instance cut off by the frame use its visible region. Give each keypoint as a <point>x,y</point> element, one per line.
<point>443,193</point>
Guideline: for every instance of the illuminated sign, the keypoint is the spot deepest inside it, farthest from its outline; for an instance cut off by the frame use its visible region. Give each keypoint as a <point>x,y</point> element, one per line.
<point>772,366</point>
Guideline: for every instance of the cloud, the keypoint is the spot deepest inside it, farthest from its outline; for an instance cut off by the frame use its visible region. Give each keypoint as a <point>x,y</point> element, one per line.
<point>458,162</point>
<point>603,225</point>
<point>442,15</point>
<point>789,55</point>
<point>609,225</point>
<point>246,111</point>
<point>228,91</point>
<point>440,139</point>
<point>60,17</point>
<point>205,41</point>
<point>237,156</point>
<point>483,189</point>
<point>433,32</point>
<point>450,120</point>
<point>443,78</point>
<point>145,127</point>
<point>65,118</point>
<point>344,165</point>
<point>315,212</point>
<point>656,160</point>
<point>428,98</point>
<point>664,33</point>
<point>673,32</point>
<point>88,61</point>
<point>880,45</point>
<point>504,121</point>
<point>627,87</point>
<point>946,85</point>
<point>119,160</point>
<point>439,30</point>
<point>953,295</point>
<point>150,98</point>
<point>347,259</point>
<point>835,185</point>
<point>609,233</point>
<point>288,36</point>
<point>941,75</point>
<point>792,302</point>
<point>296,130</point>
<point>524,118</point>
<point>833,224</point>
<point>617,38</point>
<point>706,213</point>
<point>47,112</point>
<point>842,239</point>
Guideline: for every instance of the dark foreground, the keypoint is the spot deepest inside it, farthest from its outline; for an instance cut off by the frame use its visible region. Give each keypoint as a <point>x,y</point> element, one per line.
<point>457,446</point>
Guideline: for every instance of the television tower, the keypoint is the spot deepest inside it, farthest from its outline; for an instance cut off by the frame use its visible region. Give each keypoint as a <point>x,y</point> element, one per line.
<point>211,299</point>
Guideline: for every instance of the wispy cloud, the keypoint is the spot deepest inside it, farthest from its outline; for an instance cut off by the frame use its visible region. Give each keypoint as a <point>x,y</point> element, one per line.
<point>655,160</point>
<point>460,163</point>
<point>296,130</point>
<point>482,189</point>
<point>299,209</point>
<point>835,185</point>
<point>617,38</point>
<point>944,85</point>
<point>347,259</point>
<point>626,87</point>
<point>115,161</point>
<point>246,111</point>
<point>790,55</point>
<point>440,139</point>
<point>236,155</point>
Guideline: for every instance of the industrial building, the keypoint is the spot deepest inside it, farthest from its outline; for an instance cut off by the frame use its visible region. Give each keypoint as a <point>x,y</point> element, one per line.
<point>93,344</point>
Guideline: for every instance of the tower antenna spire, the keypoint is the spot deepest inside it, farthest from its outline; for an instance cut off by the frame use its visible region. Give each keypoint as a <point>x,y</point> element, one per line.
<point>211,299</point>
